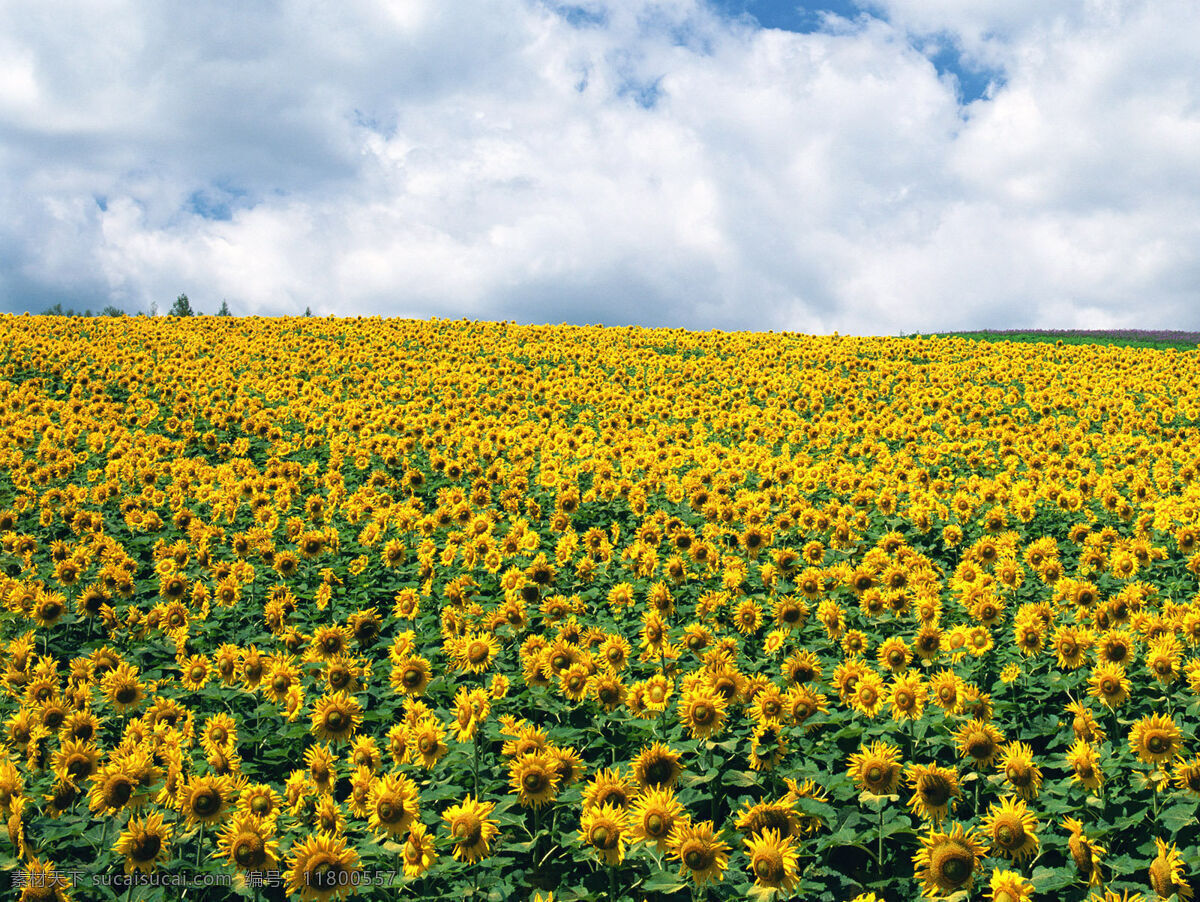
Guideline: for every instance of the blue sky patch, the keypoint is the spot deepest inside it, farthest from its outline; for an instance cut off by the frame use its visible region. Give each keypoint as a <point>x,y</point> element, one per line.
<point>217,202</point>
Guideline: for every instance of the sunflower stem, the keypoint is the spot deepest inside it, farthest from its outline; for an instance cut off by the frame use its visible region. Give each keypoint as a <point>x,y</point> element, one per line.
<point>475,767</point>
<point>879,840</point>
<point>199,845</point>
<point>612,883</point>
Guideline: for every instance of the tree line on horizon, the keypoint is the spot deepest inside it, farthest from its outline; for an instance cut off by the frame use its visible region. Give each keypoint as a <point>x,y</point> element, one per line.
<point>181,307</point>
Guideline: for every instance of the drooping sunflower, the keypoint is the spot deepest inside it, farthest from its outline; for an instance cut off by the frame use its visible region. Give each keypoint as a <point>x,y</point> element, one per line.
<point>603,829</point>
<point>393,803</point>
<point>947,862</point>
<point>876,768</point>
<point>419,853</point>
<point>1083,723</point>
<point>534,778</point>
<point>1155,739</point>
<point>321,867</point>
<point>1166,872</point>
<point>1011,830</point>
<point>1084,852</point>
<point>1085,765</point>
<point>935,790</point>
<point>247,842</point>
<point>470,828</point>
<point>699,852</point>
<point>145,843</point>
<point>773,863</point>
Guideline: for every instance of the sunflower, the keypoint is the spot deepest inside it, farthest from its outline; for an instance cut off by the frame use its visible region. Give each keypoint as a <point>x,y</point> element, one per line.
<point>328,816</point>
<point>470,829</point>
<point>773,863</point>
<point>906,696</point>
<point>935,790</point>
<point>1187,776</point>
<point>654,815</point>
<point>700,853</point>
<point>1085,765</point>
<point>321,770</point>
<point>1155,739</point>
<point>657,766</point>
<point>876,769</point>
<point>1166,872</point>
<point>894,654</point>
<point>1018,768</point>
<point>779,815</point>
<point>220,732</point>
<point>247,843</point>
<point>145,842</point>
<point>868,693</point>
<point>1011,830</point>
<point>1162,659</point>
<point>475,652</point>
<point>702,712</point>
<point>419,853</point>
<point>411,676</point>
<point>429,741</point>
<point>947,862</point>
<point>113,787</point>
<point>979,741</point>
<point>1109,685</point>
<point>75,760</point>
<point>1083,723</point>
<point>205,799</point>
<point>323,867</point>
<point>1084,852</point>
<point>336,717</point>
<point>260,800</point>
<point>610,786</point>
<point>42,882</point>
<point>394,805</point>
<point>122,688</point>
<point>607,689</point>
<point>945,688</point>
<point>534,778</point>
<point>1009,886</point>
<point>602,829</point>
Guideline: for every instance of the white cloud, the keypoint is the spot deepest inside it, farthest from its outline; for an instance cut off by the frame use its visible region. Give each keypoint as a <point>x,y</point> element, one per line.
<point>629,162</point>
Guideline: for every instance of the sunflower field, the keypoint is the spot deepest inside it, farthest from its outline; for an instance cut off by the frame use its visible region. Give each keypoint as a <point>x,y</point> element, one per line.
<point>318,608</point>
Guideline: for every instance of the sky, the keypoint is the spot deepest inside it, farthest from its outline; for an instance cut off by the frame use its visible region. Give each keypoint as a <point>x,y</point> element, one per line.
<point>874,168</point>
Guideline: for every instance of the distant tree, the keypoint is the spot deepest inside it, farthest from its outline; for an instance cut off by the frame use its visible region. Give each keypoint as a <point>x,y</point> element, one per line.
<point>154,308</point>
<point>87,312</point>
<point>57,310</point>
<point>308,311</point>
<point>224,311</point>
<point>181,307</point>
<point>110,310</point>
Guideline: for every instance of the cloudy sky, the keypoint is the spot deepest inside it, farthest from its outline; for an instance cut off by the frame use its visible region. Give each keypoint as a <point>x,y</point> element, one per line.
<point>871,167</point>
